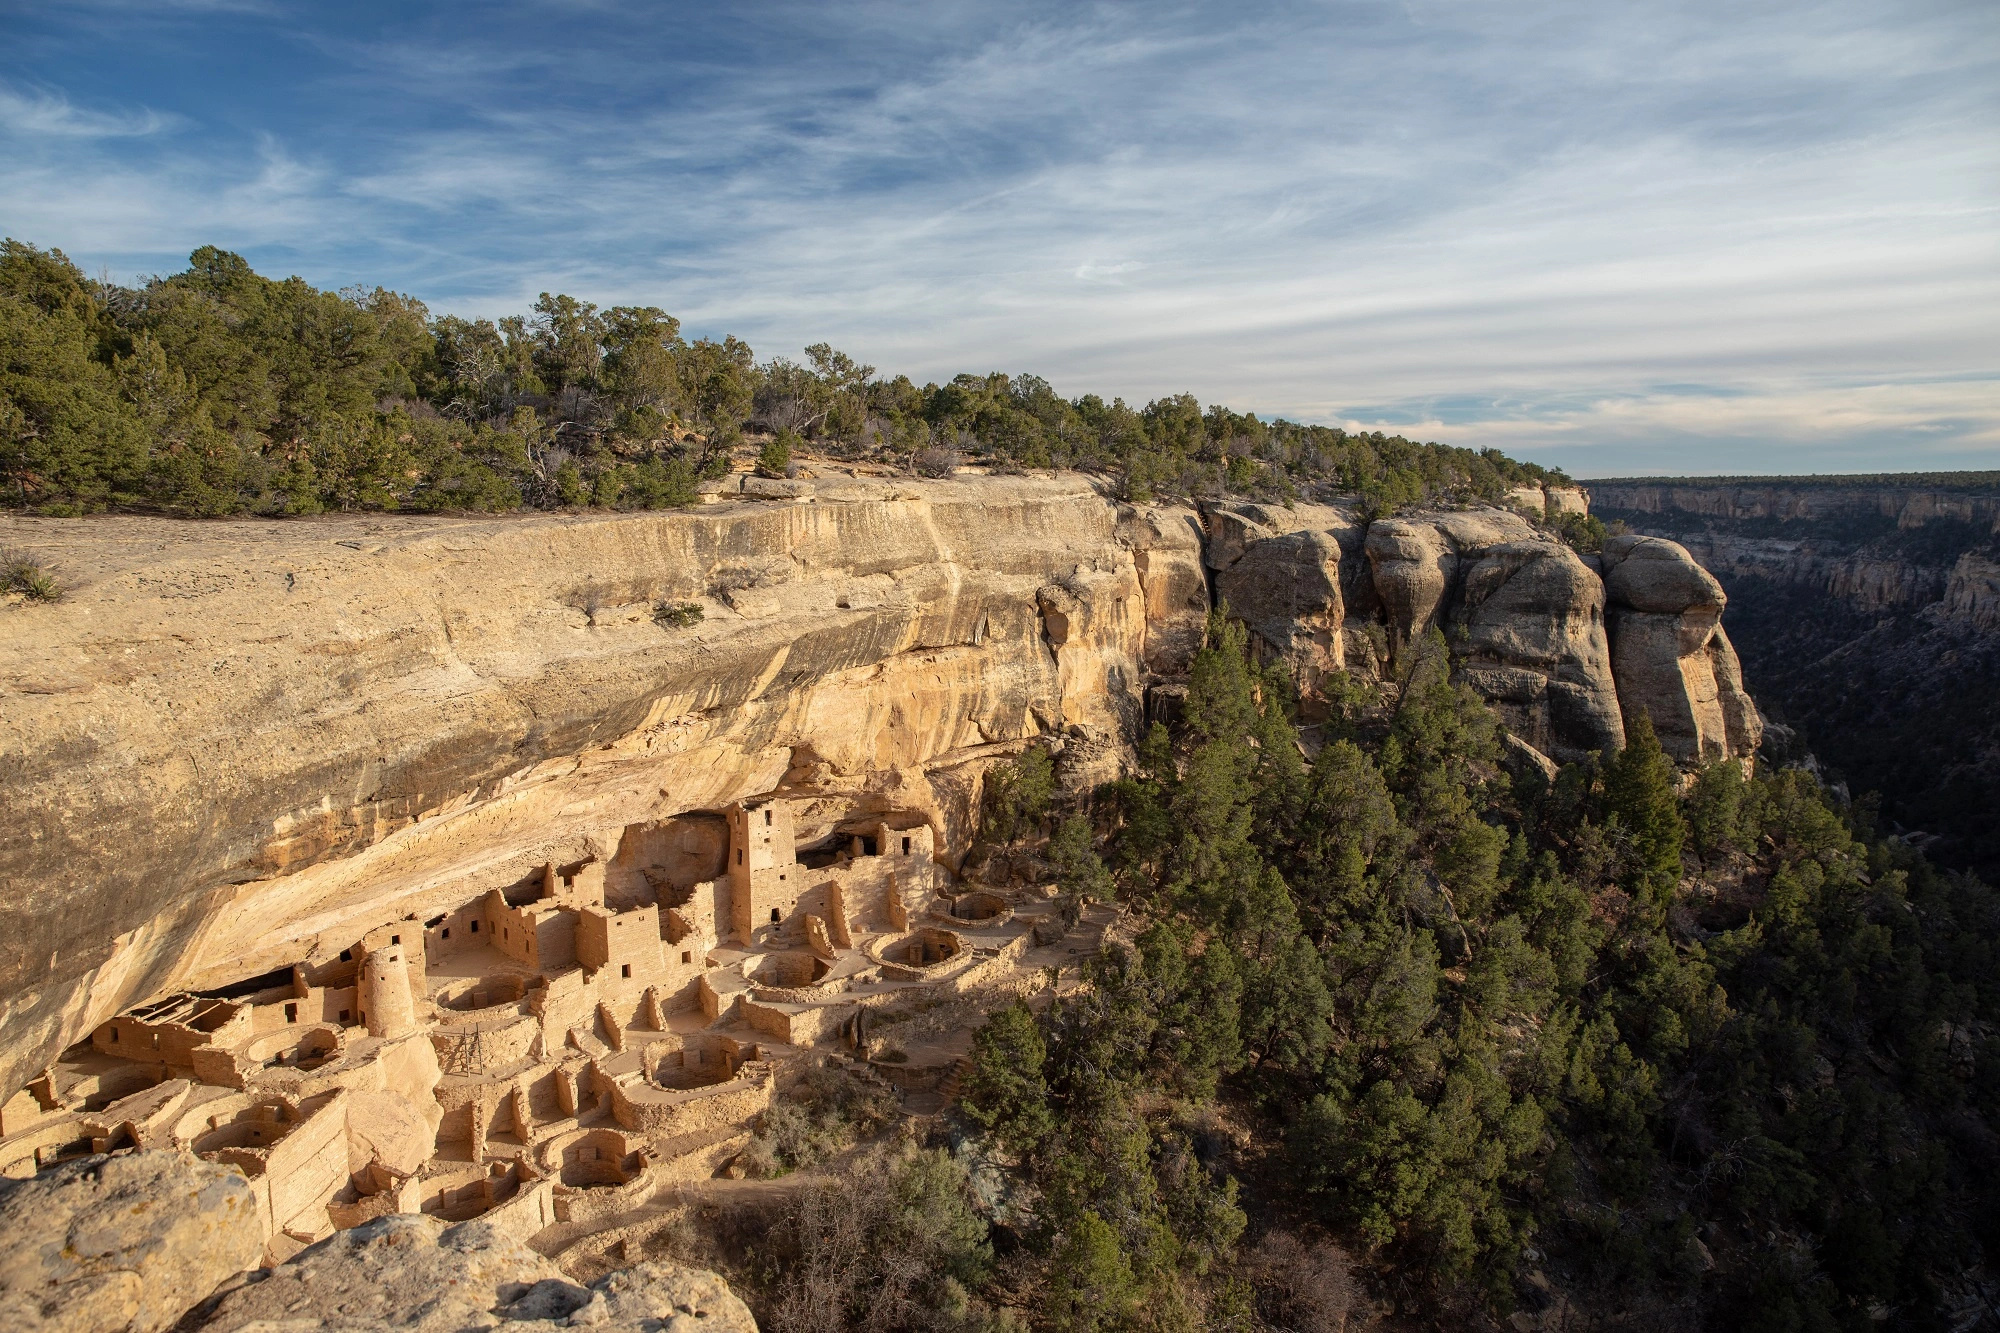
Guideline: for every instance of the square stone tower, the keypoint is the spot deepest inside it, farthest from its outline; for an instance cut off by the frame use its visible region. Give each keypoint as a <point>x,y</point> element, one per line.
<point>765,879</point>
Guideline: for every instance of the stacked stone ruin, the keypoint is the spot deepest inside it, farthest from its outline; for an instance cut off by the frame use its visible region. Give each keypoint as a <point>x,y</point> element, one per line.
<point>537,1055</point>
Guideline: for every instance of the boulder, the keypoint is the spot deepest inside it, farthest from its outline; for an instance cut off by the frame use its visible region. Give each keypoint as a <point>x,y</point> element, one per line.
<point>125,1243</point>
<point>1524,614</point>
<point>414,1273</point>
<point>1413,563</point>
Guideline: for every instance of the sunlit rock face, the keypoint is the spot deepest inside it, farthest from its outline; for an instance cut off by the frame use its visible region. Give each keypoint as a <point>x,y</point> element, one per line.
<point>1669,653</point>
<point>1522,614</point>
<point>240,743</point>
<point>239,747</point>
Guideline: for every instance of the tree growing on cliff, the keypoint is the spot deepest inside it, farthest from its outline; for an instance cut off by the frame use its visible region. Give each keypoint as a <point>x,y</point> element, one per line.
<point>1485,1018</point>
<point>1640,799</point>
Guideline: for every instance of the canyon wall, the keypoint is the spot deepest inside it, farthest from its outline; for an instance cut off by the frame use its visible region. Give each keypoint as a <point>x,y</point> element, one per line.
<point>237,744</point>
<point>1867,612</point>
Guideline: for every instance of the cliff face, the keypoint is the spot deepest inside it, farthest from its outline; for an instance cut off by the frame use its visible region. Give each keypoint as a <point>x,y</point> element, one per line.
<point>1801,499</point>
<point>1868,616</point>
<point>234,745</point>
<point>233,741</point>
<point>1563,647</point>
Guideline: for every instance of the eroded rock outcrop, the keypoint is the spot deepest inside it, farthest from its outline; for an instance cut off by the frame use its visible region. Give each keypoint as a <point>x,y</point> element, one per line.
<point>1867,614</point>
<point>236,740</point>
<point>121,1244</point>
<point>415,1274</point>
<point>236,748</point>
<point>1524,614</point>
<point>1669,653</point>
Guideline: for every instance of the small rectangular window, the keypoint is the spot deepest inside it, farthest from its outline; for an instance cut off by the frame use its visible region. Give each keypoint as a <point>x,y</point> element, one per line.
<point>767,819</point>
<point>625,971</point>
<point>395,939</point>
<point>739,856</point>
<point>906,846</point>
<point>475,927</point>
<point>343,1015</point>
<point>291,1013</point>
<point>687,955</point>
<point>114,1034</point>
<point>774,914</point>
<point>347,955</point>
<point>447,932</point>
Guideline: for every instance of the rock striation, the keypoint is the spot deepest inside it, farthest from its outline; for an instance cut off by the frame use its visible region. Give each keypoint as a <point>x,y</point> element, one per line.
<point>237,741</point>
<point>238,749</point>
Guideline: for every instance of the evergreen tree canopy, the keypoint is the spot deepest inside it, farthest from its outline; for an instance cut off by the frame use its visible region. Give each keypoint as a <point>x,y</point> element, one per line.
<point>217,390</point>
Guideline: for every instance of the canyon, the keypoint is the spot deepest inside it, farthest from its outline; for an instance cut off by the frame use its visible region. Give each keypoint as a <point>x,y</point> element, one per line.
<point>494,868</point>
<point>1867,612</point>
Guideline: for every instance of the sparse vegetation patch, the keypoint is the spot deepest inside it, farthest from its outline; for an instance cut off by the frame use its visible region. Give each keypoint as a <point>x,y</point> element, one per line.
<point>677,615</point>
<point>22,574</point>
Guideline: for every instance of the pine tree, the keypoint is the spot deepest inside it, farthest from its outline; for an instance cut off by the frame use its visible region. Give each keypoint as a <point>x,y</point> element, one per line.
<point>1641,794</point>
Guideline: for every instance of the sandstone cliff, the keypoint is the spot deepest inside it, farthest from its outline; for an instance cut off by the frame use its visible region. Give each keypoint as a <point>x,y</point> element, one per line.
<point>1868,615</point>
<point>1808,498</point>
<point>1563,647</point>
<point>235,745</point>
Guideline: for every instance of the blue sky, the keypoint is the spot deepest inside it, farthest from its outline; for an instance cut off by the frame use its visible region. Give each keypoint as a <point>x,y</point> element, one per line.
<point>1622,238</point>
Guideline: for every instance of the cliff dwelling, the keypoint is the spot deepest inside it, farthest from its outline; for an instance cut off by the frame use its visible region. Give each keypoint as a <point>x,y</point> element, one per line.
<point>543,1053</point>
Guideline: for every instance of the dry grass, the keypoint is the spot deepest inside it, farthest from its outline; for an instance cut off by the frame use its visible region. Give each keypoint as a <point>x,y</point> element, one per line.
<point>23,574</point>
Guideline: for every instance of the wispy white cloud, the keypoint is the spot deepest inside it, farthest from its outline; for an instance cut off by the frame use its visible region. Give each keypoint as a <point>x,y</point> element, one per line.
<point>48,114</point>
<point>1489,222</point>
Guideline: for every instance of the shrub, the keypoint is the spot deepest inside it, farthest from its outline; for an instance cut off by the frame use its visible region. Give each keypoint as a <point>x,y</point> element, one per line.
<point>822,1113</point>
<point>935,462</point>
<point>1310,1288</point>
<point>1018,795</point>
<point>677,615</point>
<point>775,458</point>
<point>22,574</point>
<point>1583,532</point>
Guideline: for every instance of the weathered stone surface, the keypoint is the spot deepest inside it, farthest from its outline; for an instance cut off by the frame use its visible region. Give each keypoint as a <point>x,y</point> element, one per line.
<point>1652,575</point>
<point>234,746</point>
<point>1669,653</point>
<point>1972,596</point>
<point>1907,506</point>
<point>1166,546</point>
<point>1287,590</point>
<point>121,1244</point>
<point>1532,615</point>
<point>238,739</point>
<point>777,488</point>
<point>413,1273</point>
<point>1525,616</point>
